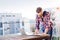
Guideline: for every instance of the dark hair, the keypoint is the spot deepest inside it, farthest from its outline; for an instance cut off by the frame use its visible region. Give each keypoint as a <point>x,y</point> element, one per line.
<point>39,9</point>
<point>44,13</point>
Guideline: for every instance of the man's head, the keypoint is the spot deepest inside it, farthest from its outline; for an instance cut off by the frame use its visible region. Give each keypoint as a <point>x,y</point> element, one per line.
<point>39,11</point>
<point>44,13</point>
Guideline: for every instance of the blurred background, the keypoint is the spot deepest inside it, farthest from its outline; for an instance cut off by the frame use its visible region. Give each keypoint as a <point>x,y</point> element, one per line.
<point>18,16</point>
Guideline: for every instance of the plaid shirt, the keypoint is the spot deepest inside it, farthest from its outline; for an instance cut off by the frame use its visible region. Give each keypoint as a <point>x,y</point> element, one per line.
<point>38,19</point>
<point>46,22</point>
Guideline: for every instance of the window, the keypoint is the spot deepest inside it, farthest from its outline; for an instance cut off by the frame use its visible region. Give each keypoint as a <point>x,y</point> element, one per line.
<point>2,15</point>
<point>5,22</point>
<point>17,22</point>
<point>1,25</point>
<point>1,32</point>
<point>22,23</point>
<point>8,15</point>
<point>13,15</point>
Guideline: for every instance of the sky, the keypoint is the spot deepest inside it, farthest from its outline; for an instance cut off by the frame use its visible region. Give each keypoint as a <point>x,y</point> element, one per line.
<point>26,7</point>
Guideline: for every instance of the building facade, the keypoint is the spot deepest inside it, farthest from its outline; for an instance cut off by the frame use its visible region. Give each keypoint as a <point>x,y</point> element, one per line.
<point>10,23</point>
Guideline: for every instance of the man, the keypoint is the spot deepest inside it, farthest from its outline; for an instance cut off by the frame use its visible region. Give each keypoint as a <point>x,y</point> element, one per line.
<point>42,22</point>
<point>39,18</point>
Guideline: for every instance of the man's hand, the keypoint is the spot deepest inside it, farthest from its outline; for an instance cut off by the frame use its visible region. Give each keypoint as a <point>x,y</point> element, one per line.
<point>36,31</point>
<point>43,33</point>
